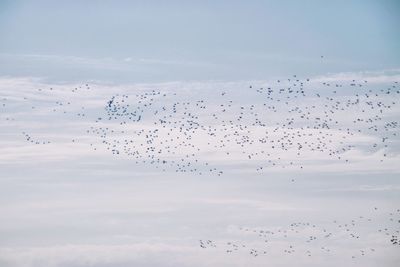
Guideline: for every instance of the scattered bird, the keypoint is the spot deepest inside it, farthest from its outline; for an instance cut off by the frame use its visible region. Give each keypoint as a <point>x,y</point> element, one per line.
<point>325,239</point>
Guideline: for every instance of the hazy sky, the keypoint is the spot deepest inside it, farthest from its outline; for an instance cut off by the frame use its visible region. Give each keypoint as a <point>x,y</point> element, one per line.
<point>189,40</point>
<point>75,193</point>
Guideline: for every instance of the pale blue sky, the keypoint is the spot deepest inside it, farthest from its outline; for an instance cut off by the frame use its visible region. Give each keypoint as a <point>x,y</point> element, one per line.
<point>192,40</point>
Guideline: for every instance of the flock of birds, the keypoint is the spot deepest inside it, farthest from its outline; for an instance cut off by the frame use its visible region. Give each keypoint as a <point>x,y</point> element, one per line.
<point>278,127</point>
<point>309,239</point>
<point>271,126</point>
<point>287,118</point>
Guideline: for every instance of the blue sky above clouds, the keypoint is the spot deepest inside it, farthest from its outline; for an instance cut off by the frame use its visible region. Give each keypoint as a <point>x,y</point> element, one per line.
<point>68,199</point>
<point>223,40</point>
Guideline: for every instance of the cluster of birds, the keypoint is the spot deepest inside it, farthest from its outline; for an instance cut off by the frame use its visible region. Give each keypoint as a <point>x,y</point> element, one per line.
<point>177,128</point>
<point>288,118</point>
<point>30,139</point>
<point>395,240</point>
<point>308,239</point>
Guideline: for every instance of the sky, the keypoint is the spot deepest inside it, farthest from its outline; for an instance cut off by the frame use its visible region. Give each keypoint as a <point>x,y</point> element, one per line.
<point>151,41</point>
<point>199,133</point>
